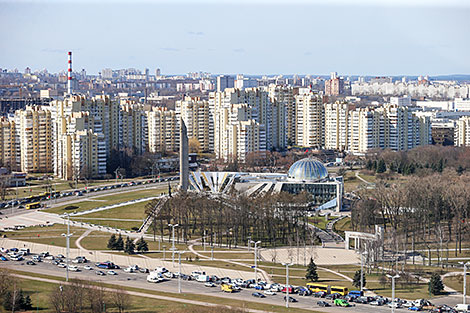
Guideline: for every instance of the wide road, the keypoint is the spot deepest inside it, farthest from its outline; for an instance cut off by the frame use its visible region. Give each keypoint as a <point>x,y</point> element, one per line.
<point>138,280</point>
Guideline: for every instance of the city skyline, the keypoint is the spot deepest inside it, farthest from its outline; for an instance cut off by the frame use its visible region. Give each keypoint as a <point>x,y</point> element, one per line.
<point>369,38</point>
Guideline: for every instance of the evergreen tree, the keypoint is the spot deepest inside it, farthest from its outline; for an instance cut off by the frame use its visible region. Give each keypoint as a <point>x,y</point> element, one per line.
<point>119,243</point>
<point>369,164</point>
<point>460,170</point>
<point>130,247</point>
<point>312,274</point>
<point>440,166</point>
<point>142,245</point>
<point>381,167</point>
<point>435,285</point>
<point>112,242</point>
<point>357,279</point>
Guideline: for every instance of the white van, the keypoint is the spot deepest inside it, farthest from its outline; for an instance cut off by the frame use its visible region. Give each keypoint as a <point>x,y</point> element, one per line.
<point>161,270</point>
<point>462,307</point>
<point>203,278</point>
<point>155,277</point>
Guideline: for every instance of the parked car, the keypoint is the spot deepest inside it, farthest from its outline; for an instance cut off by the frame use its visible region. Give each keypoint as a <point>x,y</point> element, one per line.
<point>30,263</point>
<point>323,303</point>
<point>3,258</point>
<point>269,292</point>
<point>112,272</point>
<point>209,284</point>
<point>100,273</point>
<point>62,265</point>
<point>341,302</point>
<point>258,295</point>
<point>87,267</point>
<point>320,294</point>
<point>414,308</point>
<point>290,299</point>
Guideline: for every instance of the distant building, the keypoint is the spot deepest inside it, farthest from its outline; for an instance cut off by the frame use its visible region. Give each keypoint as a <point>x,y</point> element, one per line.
<point>224,82</point>
<point>462,132</point>
<point>334,86</point>
<point>443,133</point>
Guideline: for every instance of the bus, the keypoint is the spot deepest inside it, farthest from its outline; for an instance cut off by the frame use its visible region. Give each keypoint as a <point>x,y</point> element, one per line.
<point>33,205</point>
<point>314,287</point>
<point>338,289</point>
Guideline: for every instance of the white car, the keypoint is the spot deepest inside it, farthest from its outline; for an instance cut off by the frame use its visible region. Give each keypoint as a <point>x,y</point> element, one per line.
<point>87,267</point>
<point>209,284</point>
<point>50,257</point>
<point>62,265</point>
<point>161,270</point>
<point>112,273</point>
<point>73,268</point>
<point>168,274</point>
<point>269,292</point>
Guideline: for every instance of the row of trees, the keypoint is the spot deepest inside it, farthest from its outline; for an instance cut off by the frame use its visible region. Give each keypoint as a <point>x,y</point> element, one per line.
<point>82,296</point>
<point>129,247</point>
<point>12,297</point>
<point>427,212</point>
<point>275,219</point>
<point>426,159</point>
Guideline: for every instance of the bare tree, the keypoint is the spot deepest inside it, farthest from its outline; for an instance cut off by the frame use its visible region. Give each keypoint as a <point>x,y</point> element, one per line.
<point>121,299</point>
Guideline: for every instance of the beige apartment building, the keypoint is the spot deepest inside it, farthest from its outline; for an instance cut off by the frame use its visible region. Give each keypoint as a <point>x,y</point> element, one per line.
<point>462,132</point>
<point>163,130</point>
<point>9,149</point>
<point>310,119</point>
<point>35,131</point>
<point>196,115</point>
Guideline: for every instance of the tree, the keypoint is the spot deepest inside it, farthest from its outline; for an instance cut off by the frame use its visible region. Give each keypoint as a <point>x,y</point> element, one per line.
<point>142,245</point>
<point>130,247</point>
<point>119,243</point>
<point>112,242</point>
<point>121,299</point>
<point>194,145</point>
<point>357,279</point>
<point>312,274</point>
<point>14,300</point>
<point>381,167</point>
<point>383,280</point>
<point>435,285</point>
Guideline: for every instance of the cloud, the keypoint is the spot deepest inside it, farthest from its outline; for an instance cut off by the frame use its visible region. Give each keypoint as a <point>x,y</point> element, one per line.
<point>195,33</point>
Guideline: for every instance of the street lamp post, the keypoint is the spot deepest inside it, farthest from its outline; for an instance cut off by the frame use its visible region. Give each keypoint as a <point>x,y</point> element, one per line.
<point>179,274</point>
<point>465,281</point>
<point>256,258</point>
<point>362,270</point>
<point>249,245</point>
<point>67,240</point>
<point>173,240</point>
<point>287,282</point>
<point>393,290</point>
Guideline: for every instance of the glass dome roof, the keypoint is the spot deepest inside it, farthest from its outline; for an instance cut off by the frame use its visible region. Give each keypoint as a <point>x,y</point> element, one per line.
<point>308,169</point>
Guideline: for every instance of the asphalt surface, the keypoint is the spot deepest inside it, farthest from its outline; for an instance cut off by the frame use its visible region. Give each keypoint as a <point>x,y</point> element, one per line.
<point>138,280</point>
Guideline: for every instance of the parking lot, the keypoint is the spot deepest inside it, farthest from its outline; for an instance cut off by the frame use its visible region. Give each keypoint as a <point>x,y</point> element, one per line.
<point>138,279</point>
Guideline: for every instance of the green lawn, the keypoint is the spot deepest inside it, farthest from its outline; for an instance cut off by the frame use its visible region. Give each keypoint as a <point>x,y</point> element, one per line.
<point>99,201</point>
<point>456,283</point>
<point>51,235</point>
<point>320,221</point>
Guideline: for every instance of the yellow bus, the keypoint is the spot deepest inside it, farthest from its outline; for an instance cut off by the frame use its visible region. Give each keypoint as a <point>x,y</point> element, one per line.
<point>338,289</point>
<point>33,205</point>
<point>314,287</point>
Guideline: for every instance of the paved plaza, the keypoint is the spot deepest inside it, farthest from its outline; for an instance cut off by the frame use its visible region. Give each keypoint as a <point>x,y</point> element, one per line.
<point>301,255</point>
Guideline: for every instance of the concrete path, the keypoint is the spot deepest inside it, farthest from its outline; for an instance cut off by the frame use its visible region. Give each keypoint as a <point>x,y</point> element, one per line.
<point>77,242</point>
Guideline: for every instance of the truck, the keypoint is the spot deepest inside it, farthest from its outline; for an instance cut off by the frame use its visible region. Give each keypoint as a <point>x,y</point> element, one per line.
<point>462,307</point>
<point>155,277</point>
<point>203,278</point>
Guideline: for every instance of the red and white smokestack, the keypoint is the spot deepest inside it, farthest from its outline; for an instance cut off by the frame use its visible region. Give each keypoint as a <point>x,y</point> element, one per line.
<point>69,75</point>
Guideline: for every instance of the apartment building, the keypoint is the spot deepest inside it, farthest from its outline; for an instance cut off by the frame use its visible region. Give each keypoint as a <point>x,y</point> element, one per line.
<point>133,129</point>
<point>163,130</point>
<point>196,115</point>
<point>336,125</point>
<point>35,131</point>
<point>9,149</point>
<point>310,119</point>
<point>462,132</point>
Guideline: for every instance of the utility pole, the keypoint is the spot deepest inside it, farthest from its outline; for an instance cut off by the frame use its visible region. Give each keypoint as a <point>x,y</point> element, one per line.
<point>465,281</point>
<point>173,240</point>
<point>67,251</point>
<point>393,290</point>
<point>287,282</point>
<point>256,258</point>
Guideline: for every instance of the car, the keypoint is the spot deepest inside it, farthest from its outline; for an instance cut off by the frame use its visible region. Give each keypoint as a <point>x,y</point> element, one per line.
<point>376,303</point>
<point>396,305</point>
<point>333,296</point>
<point>4,250</point>
<point>62,265</point>
<point>60,256</point>
<point>36,258</point>
<point>3,258</point>
<point>73,268</point>
<point>87,267</point>
<point>168,274</point>
<point>16,257</point>
<point>414,308</point>
<point>30,263</point>
<point>269,292</point>
<point>341,302</point>
<point>209,284</point>
<point>143,270</point>
<point>50,257</point>
<point>161,270</point>
<point>100,273</point>
<point>112,273</point>
<point>129,269</point>
<point>258,295</point>
<point>320,294</point>
<point>290,299</point>
<point>323,304</point>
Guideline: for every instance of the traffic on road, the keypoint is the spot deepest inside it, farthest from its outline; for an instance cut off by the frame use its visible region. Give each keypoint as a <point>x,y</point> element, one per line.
<point>313,295</point>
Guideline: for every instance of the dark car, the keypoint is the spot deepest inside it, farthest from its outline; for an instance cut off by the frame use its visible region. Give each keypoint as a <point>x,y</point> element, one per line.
<point>323,303</point>
<point>320,294</point>
<point>30,263</point>
<point>143,270</point>
<point>258,295</point>
<point>100,273</point>
<point>333,296</point>
<point>290,299</point>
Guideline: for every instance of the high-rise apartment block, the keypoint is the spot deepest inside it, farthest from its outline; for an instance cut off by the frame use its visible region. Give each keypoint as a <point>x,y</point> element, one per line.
<point>196,115</point>
<point>336,125</point>
<point>310,119</point>
<point>35,131</point>
<point>163,130</point>
<point>334,86</point>
<point>462,132</point>
<point>224,82</point>
<point>9,150</point>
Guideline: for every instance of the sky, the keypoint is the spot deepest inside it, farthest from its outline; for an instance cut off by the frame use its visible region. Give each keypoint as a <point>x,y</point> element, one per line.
<point>357,37</point>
